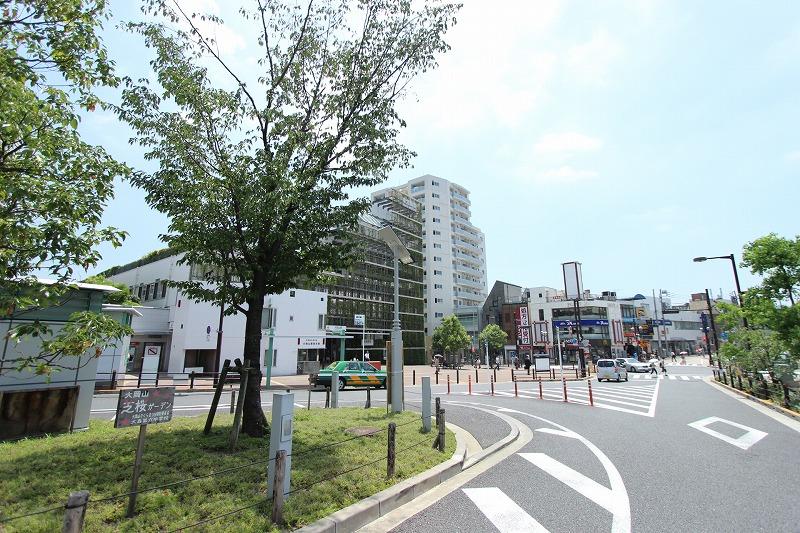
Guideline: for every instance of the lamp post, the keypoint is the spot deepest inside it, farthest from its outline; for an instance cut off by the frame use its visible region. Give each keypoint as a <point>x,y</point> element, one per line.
<point>735,277</point>
<point>401,254</point>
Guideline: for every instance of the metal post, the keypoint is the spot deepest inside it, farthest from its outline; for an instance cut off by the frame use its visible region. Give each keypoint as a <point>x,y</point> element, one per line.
<point>280,440</point>
<point>541,397</point>
<point>565,390</point>
<point>426,404</point>
<point>491,383</point>
<point>713,328</point>
<point>658,328</point>
<point>191,380</point>
<point>448,383</point>
<point>139,381</point>
<point>414,377</point>
<point>516,392</point>
<point>114,379</point>
<point>137,468</point>
<point>390,456</point>
<point>278,482</point>
<point>591,398</point>
<point>457,379</point>
<point>495,373</point>
<point>738,288</point>
<point>334,390</point>
<point>397,345</point>
<point>437,375</point>
<point>75,512</point>
<point>369,400</point>
<point>476,376</point>
<point>469,384</point>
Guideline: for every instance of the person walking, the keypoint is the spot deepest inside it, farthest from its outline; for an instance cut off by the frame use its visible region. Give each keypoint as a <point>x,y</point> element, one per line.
<point>653,370</point>
<point>663,368</point>
<point>673,356</point>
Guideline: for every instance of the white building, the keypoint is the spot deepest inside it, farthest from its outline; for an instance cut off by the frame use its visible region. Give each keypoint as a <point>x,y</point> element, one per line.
<point>454,249</point>
<point>180,334</point>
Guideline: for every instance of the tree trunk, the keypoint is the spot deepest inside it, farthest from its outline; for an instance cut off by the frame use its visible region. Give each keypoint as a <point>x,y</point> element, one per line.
<point>254,422</point>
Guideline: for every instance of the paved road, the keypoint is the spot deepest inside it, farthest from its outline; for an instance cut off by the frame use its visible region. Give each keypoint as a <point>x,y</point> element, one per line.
<point>672,453</point>
<point>644,468</point>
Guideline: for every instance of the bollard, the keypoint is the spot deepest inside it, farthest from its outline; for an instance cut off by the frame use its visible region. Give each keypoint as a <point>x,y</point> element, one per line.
<point>277,487</point>
<point>448,383</point>
<point>438,408</point>
<point>139,381</point>
<point>540,389</point>
<point>369,399</point>
<point>739,378</point>
<point>426,404</point>
<point>565,389</point>
<point>437,376</point>
<point>469,384</point>
<point>457,378</point>
<point>114,379</point>
<point>414,377</point>
<point>191,381</point>
<point>516,393</point>
<point>334,390</point>
<point>76,512</point>
<point>491,382</point>
<point>156,379</point>
<point>552,373</point>
<point>438,443</point>
<point>476,376</point>
<point>591,398</point>
<point>233,400</point>
<point>576,373</point>
<point>495,373</point>
<point>390,450</point>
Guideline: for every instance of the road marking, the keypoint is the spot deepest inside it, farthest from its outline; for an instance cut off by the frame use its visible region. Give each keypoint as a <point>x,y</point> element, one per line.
<point>744,442</point>
<point>672,377</point>
<point>578,482</point>
<point>503,512</point>
<point>652,412</point>
<point>685,378</point>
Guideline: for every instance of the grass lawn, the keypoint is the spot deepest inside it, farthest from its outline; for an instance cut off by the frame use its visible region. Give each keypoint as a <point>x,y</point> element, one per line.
<point>40,472</point>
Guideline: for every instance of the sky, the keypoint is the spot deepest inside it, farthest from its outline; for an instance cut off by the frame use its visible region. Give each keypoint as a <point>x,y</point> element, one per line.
<point>628,135</point>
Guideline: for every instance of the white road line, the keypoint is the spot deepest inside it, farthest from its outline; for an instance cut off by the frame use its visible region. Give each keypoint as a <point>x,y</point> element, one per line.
<point>652,411</point>
<point>625,394</point>
<point>578,482</point>
<point>601,399</point>
<point>744,442</point>
<point>672,377</point>
<point>507,516</point>
<point>685,378</point>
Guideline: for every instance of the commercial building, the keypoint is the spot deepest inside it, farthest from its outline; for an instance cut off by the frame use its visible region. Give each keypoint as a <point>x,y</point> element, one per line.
<point>367,287</point>
<point>501,307</point>
<point>176,334</point>
<point>454,249</point>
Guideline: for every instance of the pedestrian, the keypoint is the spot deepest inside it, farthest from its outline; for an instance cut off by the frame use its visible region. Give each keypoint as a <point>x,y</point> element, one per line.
<point>527,364</point>
<point>497,362</point>
<point>663,368</point>
<point>653,370</point>
<point>673,356</point>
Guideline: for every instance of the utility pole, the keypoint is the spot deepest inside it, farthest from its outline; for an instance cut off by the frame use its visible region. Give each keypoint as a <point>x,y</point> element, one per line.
<point>655,322</point>
<point>713,328</point>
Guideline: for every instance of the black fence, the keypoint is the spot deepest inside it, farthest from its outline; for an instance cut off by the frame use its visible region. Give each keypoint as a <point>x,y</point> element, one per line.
<point>133,380</point>
<point>757,385</point>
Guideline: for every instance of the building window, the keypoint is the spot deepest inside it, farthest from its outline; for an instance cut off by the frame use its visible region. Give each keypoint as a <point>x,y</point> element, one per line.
<point>438,300</point>
<point>541,314</point>
<point>437,285</point>
<point>437,245</point>
<point>163,289</point>
<point>437,258</point>
<point>437,208</point>
<point>435,183</point>
<point>321,322</point>
<point>438,315</point>
<point>437,232</point>
<point>437,272</point>
<point>435,194</point>
<point>437,219</point>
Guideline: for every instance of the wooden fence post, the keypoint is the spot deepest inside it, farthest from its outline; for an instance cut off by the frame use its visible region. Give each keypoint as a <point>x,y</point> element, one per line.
<point>390,451</point>
<point>217,393</point>
<point>277,487</point>
<point>75,512</point>
<point>440,438</point>
<point>438,408</point>
<point>237,418</point>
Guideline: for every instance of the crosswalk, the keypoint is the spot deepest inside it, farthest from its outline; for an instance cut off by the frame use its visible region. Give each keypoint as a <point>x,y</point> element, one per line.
<point>673,377</point>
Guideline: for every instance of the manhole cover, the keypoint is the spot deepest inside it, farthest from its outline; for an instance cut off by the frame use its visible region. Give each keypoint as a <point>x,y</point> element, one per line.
<point>362,431</point>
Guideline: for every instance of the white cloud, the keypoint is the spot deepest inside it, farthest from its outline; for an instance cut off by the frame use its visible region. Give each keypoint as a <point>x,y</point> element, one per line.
<point>591,61</point>
<point>793,155</point>
<point>566,175</point>
<point>567,142</point>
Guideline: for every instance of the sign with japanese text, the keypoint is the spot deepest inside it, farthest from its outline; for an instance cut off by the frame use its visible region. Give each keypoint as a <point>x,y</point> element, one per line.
<point>359,320</point>
<point>310,342</point>
<point>523,317</point>
<point>139,407</point>
<point>523,336</point>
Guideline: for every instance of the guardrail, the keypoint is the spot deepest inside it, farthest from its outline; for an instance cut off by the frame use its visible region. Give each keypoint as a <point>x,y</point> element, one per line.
<point>774,391</point>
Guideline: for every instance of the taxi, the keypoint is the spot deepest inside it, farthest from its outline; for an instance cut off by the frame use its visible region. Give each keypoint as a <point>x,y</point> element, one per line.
<point>352,374</point>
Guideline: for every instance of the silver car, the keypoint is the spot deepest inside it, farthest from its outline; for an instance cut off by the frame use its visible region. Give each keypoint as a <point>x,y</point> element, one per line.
<point>632,364</point>
<point>609,369</point>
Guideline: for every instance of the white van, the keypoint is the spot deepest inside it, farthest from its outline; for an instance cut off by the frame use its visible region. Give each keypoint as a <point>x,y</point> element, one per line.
<point>609,369</point>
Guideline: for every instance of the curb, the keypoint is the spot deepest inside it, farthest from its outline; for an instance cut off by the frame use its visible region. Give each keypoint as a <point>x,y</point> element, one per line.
<point>359,514</point>
<point>778,408</point>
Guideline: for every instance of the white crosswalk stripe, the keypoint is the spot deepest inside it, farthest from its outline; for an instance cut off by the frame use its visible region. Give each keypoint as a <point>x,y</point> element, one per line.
<point>503,512</point>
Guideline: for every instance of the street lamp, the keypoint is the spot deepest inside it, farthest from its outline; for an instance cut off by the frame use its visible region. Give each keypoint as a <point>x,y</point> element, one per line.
<point>735,276</point>
<point>401,254</point>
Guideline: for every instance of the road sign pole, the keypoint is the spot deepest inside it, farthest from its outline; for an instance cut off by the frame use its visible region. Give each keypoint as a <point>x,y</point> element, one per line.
<point>137,468</point>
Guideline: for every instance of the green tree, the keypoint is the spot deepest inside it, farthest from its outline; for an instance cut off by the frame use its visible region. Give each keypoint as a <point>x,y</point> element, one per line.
<point>450,336</point>
<point>123,295</point>
<point>494,336</point>
<point>53,186</point>
<point>777,259</point>
<point>754,348</point>
<point>257,181</point>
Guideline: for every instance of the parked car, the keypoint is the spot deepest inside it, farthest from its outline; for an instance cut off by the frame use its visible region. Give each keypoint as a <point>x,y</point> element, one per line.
<point>632,364</point>
<point>352,374</point>
<point>609,369</point>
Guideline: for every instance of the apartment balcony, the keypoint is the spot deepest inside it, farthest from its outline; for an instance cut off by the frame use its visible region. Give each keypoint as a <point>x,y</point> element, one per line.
<point>469,235</point>
<point>460,197</point>
<point>468,270</point>
<point>469,283</point>
<point>455,217</point>
<point>460,209</point>
<point>467,257</point>
<point>467,245</point>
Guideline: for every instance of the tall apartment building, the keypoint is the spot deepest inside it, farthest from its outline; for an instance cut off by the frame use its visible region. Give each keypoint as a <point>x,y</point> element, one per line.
<point>454,249</point>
